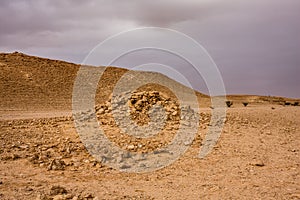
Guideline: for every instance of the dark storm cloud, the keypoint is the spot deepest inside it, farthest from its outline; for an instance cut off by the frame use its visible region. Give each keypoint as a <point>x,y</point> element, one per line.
<point>62,26</point>
<point>256,46</point>
<point>31,15</point>
<point>255,43</point>
<point>166,13</point>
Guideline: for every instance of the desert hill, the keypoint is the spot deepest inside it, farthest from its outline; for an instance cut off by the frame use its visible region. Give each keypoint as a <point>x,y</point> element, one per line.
<point>33,83</point>
<point>29,83</point>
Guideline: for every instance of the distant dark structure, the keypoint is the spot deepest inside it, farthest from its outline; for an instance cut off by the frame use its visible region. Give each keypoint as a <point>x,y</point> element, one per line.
<point>296,103</point>
<point>245,104</point>
<point>287,103</point>
<point>229,103</point>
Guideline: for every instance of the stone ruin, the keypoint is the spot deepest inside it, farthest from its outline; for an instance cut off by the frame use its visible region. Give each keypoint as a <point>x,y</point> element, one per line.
<point>141,124</point>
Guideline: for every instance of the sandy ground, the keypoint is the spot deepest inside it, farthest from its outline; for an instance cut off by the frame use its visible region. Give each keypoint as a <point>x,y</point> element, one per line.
<point>12,115</point>
<point>257,157</point>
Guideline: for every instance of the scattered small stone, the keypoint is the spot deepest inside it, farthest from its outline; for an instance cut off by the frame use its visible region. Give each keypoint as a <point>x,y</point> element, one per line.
<point>295,196</point>
<point>28,189</point>
<point>86,196</point>
<point>23,147</point>
<point>258,163</point>
<point>59,197</point>
<point>56,164</point>
<point>131,147</point>
<point>63,197</point>
<point>101,111</point>
<point>125,167</point>
<point>42,197</point>
<point>187,143</point>
<point>174,113</point>
<point>56,190</point>
<point>268,132</point>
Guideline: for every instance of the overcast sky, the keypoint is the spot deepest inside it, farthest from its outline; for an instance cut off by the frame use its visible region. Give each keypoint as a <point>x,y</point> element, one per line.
<point>255,43</point>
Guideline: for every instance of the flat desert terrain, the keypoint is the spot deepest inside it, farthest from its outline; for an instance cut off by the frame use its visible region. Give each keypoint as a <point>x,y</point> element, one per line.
<point>42,156</point>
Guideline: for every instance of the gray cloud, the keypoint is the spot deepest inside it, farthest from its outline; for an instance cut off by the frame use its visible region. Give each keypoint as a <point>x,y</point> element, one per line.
<point>256,43</point>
